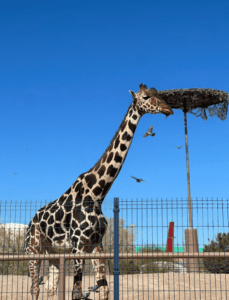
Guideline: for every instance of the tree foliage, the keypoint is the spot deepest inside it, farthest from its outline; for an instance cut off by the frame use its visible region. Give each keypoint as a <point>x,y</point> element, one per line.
<point>217,265</point>
<point>12,241</point>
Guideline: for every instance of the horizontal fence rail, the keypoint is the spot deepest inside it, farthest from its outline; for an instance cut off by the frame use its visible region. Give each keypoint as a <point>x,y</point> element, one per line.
<point>12,257</point>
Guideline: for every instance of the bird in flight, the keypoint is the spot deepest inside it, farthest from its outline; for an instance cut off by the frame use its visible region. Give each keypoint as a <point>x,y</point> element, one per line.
<point>179,147</point>
<point>138,180</point>
<point>149,132</point>
<point>15,173</point>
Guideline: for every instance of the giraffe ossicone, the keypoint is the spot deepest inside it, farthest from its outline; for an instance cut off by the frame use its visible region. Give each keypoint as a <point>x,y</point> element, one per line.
<point>75,220</point>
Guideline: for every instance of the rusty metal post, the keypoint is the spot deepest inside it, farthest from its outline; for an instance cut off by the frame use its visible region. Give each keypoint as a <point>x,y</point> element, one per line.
<point>188,173</point>
<point>191,242</point>
<point>62,279</point>
<point>191,239</point>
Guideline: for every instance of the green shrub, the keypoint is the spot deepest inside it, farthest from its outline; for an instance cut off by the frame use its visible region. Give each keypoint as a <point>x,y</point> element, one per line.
<point>217,265</point>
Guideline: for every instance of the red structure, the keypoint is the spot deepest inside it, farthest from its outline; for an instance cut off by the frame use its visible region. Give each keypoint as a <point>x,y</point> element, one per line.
<point>170,239</point>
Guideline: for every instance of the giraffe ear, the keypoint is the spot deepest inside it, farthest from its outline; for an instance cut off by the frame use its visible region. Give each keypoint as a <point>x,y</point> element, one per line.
<point>132,93</point>
<point>134,97</point>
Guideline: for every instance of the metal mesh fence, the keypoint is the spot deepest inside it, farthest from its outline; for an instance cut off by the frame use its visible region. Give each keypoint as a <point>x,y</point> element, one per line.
<point>152,263</point>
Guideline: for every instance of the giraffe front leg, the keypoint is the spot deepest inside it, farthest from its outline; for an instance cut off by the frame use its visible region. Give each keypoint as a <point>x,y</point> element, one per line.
<point>53,279</point>
<point>78,272</point>
<point>99,266</point>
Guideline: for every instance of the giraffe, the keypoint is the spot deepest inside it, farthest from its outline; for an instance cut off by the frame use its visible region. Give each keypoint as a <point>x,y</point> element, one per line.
<point>75,220</point>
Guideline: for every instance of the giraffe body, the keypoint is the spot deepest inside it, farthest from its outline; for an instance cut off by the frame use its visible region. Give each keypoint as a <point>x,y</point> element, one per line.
<point>75,221</point>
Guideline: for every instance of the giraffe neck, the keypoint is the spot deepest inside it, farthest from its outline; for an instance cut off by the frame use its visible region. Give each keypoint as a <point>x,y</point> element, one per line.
<point>105,171</point>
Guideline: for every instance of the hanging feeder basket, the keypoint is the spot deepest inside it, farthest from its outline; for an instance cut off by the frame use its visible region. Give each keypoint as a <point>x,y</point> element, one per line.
<point>197,101</point>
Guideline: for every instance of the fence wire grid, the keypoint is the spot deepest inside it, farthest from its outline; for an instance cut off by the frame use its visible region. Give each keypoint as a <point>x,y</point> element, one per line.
<point>138,264</point>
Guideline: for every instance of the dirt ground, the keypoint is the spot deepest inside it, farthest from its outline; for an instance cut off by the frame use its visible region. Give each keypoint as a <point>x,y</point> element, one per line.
<point>141,286</point>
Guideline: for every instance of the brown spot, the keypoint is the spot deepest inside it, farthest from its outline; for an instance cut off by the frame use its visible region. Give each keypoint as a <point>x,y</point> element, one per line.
<point>110,157</point>
<point>111,171</point>
<point>102,183</point>
<point>91,180</point>
<point>97,191</point>
<point>101,171</point>
<point>117,141</point>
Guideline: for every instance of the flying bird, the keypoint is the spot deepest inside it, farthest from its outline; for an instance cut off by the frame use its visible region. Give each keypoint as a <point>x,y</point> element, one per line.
<point>179,147</point>
<point>138,180</point>
<point>15,173</point>
<point>149,132</point>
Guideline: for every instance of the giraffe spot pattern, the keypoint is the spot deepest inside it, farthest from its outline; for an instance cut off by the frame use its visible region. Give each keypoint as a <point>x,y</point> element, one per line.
<point>101,171</point>
<point>68,191</point>
<point>102,183</point>
<point>59,214</point>
<point>111,171</point>
<point>51,220</point>
<point>68,204</point>
<point>92,219</point>
<point>59,238</point>
<point>123,147</point>
<point>43,226</point>
<point>88,203</point>
<point>79,186</point>
<point>117,158</point>
<point>106,188</point>
<point>77,215</point>
<point>75,183</point>
<point>74,224</point>
<point>58,229</point>
<point>67,221</point>
<point>62,199</point>
<point>54,207</point>
<point>46,215</point>
<point>50,232</point>
<point>95,237</point>
<point>110,156</point>
<point>117,141</point>
<point>126,137</point>
<point>132,126</point>
<point>84,225</point>
<point>97,191</point>
<point>77,232</point>
<point>75,241</point>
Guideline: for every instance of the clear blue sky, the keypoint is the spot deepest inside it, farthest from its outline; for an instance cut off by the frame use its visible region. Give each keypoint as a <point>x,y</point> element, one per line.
<point>66,68</point>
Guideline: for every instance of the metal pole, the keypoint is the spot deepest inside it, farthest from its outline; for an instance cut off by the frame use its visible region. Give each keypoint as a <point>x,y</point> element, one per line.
<point>188,174</point>
<point>116,248</point>
<point>62,279</point>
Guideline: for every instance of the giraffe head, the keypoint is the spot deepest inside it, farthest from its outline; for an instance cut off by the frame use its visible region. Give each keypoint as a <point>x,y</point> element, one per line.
<point>149,101</point>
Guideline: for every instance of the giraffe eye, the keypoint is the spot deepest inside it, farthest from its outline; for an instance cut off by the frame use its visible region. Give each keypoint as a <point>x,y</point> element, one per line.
<point>145,97</point>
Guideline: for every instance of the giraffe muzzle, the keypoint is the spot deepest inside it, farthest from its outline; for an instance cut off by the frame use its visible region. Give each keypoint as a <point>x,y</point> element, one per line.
<point>168,111</point>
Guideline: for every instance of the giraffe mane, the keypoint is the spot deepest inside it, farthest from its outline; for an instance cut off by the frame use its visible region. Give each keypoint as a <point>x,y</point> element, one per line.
<point>123,124</point>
